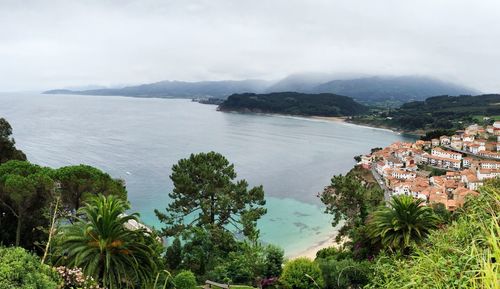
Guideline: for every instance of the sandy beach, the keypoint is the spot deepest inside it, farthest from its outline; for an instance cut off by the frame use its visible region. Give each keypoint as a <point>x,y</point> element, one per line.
<point>331,118</point>
<point>311,251</point>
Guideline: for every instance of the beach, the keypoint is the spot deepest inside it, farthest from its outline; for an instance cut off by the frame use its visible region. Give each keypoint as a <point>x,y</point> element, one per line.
<point>331,118</point>
<point>311,251</point>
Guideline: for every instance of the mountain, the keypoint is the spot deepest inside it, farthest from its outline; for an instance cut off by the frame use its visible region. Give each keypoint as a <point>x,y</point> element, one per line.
<point>369,90</point>
<point>300,82</point>
<point>400,88</point>
<point>294,103</point>
<point>220,89</point>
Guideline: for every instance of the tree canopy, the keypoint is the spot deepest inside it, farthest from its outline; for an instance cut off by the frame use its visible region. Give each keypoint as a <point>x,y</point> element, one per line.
<point>78,183</point>
<point>350,199</point>
<point>294,103</point>
<point>8,149</point>
<point>206,194</point>
<point>25,191</point>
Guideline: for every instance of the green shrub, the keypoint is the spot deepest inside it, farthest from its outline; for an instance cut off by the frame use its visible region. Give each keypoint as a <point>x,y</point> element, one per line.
<point>22,270</point>
<point>249,264</point>
<point>344,273</point>
<point>333,252</point>
<point>274,261</point>
<point>185,280</point>
<point>301,273</point>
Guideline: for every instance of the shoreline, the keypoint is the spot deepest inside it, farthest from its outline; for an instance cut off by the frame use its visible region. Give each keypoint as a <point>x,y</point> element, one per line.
<point>312,250</point>
<point>331,118</point>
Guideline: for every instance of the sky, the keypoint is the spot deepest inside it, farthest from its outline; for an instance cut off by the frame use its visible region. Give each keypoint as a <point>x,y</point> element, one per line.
<point>50,44</point>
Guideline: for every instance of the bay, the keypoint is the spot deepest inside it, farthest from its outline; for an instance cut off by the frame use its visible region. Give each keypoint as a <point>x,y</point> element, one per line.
<point>139,139</point>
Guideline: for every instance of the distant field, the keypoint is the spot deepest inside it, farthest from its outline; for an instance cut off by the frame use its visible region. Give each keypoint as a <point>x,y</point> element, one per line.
<point>480,118</point>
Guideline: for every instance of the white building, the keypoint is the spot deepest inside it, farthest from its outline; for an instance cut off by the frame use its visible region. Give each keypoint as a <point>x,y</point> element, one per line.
<point>446,154</point>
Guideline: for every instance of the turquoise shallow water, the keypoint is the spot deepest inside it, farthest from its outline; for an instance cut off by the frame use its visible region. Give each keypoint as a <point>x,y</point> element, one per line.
<point>140,139</point>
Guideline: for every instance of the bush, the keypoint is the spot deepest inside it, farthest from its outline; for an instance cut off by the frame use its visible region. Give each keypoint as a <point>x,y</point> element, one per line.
<point>185,280</point>
<point>249,264</point>
<point>22,270</point>
<point>75,279</point>
<point>274,261</point>
<point>301,273</point>
<point>344,273</point>
<point>333,252</point>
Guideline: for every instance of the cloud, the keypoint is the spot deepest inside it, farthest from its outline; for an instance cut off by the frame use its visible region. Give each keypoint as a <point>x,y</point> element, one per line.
<point>48,44</point>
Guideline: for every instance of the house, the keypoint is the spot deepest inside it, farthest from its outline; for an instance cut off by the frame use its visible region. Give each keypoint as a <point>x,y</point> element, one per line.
<point>380,167</point>
<point>457,144</point>
<point>470,179</point>
<point>393,162</point>
<point>467,137</point>
<point>480,141</point>
<point>435,142</point>
<point>491,146</point>
<point>484,174</point>
<point>446,154</point>
<point>461,193</point>
<point>475,148</point>
<point>366,161</point>
<point>442,162</point>
<point>403,175</point>
<point>489,165</point>
<point>444,140</point>
<point>488,154</point>
<point>467,162</point>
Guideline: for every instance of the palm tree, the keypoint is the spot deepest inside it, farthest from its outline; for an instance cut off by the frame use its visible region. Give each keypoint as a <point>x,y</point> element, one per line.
<point>404,223</point>
<point>100,244</point>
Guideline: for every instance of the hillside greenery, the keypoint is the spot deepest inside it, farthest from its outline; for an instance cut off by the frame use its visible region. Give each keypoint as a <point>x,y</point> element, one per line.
<point>72,228</point>
<point>436,113</point>
<point>293,103</point>
<point>464,254</point>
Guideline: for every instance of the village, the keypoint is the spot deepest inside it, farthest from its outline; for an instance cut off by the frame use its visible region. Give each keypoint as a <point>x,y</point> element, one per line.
<point>442,170</point>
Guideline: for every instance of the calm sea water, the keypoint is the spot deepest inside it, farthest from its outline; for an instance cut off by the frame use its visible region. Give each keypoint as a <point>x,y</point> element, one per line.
<point>140,139</point>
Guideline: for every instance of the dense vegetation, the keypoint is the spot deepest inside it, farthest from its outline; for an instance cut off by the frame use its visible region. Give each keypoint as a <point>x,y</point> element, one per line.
<point>407,245</point>
<point>464,254</point>
<point>21,269</point>
<point>293,103</point>
<point>440,112</point>
<point>71,228</point>
<point>8,149</point>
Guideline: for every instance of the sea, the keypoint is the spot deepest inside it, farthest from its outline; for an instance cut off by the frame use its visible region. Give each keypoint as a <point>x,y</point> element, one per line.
<point>139,139</point>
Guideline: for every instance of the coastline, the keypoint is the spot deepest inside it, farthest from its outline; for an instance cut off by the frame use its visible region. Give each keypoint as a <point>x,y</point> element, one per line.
<point>331,118</point>
<point>311,251</point>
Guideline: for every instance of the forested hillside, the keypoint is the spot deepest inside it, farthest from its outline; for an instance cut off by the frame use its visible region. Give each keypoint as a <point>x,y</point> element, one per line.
<point>293,103</point>
<point>439,112</point>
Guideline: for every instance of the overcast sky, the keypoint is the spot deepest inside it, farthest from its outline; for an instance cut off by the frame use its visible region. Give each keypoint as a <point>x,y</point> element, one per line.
<point>51,44</point>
